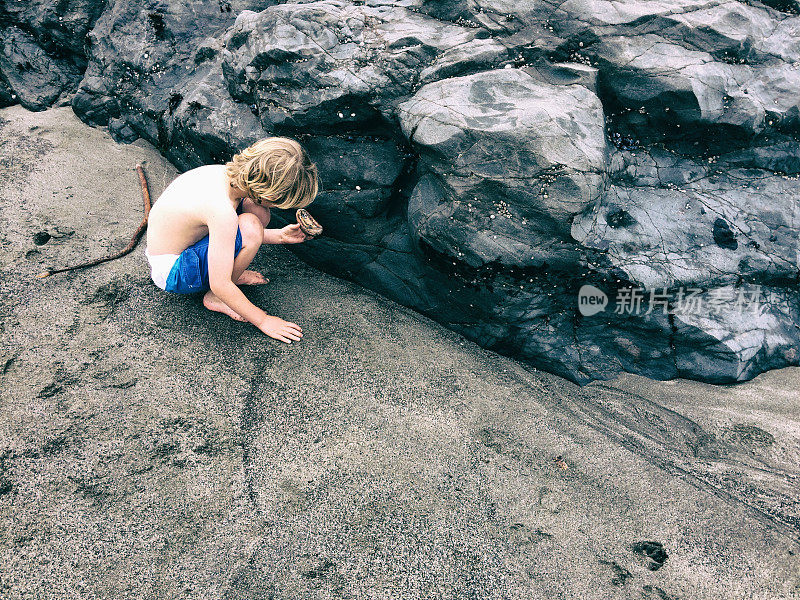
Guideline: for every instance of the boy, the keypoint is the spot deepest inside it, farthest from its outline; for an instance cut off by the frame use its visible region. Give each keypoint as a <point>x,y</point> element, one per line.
<point>206,227</point>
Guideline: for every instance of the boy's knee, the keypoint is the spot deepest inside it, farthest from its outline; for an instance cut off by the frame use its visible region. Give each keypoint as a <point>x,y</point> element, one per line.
<point>251,228</point>
<point>262,214</point>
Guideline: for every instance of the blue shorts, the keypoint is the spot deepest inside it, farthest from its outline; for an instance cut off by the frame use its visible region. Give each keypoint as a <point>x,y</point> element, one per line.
<point>189,274</point>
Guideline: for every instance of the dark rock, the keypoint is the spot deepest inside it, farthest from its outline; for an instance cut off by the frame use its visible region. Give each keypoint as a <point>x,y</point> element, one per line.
<point>43,50</point>
<point>59,28</point>
<point>38,80</point>
<point>7,95</point>
<point>121,132</point>
<point>781,157</point>
<point>679,235</point>
<point>682,88</point>
<point>617,217</point>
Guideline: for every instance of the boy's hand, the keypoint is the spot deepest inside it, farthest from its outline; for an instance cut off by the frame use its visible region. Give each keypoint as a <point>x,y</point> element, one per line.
<point>279,329</point>
<point>291,234</point>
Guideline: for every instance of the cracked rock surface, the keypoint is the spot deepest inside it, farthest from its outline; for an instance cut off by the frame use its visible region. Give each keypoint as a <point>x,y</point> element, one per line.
<point>150,448</point>
<point>482,160</point>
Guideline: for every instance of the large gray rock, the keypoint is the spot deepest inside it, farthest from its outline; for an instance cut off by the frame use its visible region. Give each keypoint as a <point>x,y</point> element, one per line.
<point>511,159</point>
<point>584,128</point>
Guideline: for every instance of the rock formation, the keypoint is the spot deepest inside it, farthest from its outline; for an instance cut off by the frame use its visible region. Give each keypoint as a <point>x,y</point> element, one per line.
<point>483,160</point>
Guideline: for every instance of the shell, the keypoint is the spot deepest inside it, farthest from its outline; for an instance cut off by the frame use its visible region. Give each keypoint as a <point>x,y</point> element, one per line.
<point>307,223</point>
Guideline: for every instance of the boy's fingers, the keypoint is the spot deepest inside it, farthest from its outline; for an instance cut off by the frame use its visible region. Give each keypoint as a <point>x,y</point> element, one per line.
<point>293,335</point>
<point>293,325</point>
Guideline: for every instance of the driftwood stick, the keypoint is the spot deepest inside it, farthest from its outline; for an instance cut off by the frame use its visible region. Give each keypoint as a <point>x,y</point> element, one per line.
<point>131,245</point>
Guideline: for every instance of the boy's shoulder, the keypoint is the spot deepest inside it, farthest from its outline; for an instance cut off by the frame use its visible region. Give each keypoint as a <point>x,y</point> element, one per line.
<point>202,187</point>
<point>204,172</point>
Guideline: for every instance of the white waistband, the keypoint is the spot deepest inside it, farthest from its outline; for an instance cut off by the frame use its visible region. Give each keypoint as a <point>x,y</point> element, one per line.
<point>160,266</point>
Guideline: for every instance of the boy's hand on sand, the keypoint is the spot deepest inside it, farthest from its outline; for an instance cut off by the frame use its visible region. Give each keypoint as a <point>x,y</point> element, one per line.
<point>292,234</point>
<point>279,329</point>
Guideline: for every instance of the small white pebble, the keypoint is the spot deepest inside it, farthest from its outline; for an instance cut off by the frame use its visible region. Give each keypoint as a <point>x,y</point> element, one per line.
<point>509,66</point>
<point>358,188</point>
<point>491,216</point>
<point>341,115</point>
<point>352,114</point>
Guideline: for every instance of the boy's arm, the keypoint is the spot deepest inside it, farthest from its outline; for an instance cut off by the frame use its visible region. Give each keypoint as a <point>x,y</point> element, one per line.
<point>221,242</point>
<point>291,234</point>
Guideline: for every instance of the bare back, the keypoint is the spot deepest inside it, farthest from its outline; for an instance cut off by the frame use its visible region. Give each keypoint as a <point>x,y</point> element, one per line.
<point>180,216</point>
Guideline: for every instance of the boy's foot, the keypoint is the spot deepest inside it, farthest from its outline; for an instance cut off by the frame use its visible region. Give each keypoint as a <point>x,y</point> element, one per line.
<point>211,302</point>
<point>251,278</point>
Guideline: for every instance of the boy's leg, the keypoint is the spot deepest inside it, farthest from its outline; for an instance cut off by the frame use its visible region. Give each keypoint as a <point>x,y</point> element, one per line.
<point>248,206</point>
<point>252,236</point>
<point>248,277</point>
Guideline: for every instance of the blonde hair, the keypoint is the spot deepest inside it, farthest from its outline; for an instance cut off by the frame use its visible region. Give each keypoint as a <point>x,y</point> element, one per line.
<point>276,169</point>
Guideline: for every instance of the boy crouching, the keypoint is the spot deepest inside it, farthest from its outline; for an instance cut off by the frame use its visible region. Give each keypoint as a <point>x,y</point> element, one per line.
<point>205,228</point>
